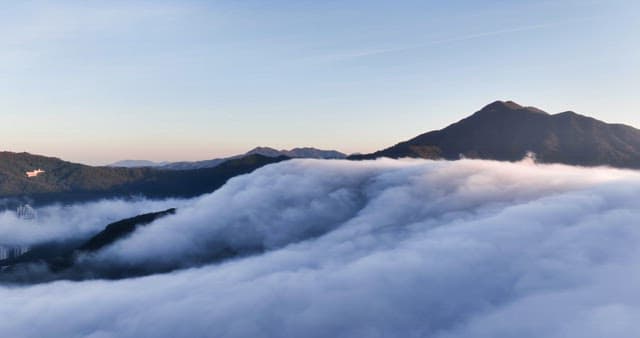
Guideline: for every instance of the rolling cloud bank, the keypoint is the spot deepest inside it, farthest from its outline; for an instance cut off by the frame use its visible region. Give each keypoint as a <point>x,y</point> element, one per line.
<point>386,248</point>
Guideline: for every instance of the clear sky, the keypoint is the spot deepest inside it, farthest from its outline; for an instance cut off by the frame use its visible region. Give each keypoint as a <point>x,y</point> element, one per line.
<point>99,81</point>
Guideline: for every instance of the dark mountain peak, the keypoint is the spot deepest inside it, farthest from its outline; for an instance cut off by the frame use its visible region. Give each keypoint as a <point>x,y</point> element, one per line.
<point>265,151</point>
<point>503,107</point>
<point>507,131</point>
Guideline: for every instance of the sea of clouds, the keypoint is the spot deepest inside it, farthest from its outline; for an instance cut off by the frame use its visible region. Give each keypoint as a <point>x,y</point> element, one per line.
<point>384,248</point>
<point>63,222</point>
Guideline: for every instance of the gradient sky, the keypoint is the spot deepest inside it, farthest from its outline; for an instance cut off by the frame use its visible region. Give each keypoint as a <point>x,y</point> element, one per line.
<point>99,81</point>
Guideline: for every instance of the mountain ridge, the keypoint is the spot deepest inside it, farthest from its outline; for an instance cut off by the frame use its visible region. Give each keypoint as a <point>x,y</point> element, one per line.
<point>502,130</point>
<point>506,131</point>
<point>300,152</point>
<point>63,181</point>
<point>137,163</point>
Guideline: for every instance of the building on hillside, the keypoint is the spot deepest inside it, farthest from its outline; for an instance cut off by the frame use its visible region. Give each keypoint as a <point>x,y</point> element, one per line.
<point>34,173</point>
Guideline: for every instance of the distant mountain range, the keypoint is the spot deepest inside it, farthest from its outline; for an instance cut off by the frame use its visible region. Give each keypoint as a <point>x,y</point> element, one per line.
<point>61,181</point>
<point>305,152</point>
<point>137,164</point>
<point>38,179</point>
<point>263,151</point>
<point>506,131</point>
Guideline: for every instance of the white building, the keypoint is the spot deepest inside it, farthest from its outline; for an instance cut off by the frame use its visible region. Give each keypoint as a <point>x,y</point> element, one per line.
<point>34,173</point>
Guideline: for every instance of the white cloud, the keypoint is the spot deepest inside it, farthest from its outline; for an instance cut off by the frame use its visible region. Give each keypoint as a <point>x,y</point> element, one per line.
<point>59,223</point>
<point>410,249</point>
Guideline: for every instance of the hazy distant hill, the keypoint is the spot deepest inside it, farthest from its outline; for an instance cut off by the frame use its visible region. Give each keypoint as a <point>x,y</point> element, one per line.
<point>66,181</point>
<point>264,151</point>
<point>136,164</point>
<point>197,164</point>
<point>507,131</point>
<point>305,152</point>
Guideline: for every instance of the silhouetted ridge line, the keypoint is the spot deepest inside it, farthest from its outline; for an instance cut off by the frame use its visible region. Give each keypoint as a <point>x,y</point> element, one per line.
<point>507,131</point>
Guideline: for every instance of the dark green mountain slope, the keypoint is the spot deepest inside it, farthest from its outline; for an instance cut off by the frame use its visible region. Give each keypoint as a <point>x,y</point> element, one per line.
<point>118,230</point>
<point>506,131</point>
<point>64,181</point>
<point>59,175</point>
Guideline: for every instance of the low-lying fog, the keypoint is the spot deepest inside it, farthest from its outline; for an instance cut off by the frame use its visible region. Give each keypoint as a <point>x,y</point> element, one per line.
<point>385,248</point>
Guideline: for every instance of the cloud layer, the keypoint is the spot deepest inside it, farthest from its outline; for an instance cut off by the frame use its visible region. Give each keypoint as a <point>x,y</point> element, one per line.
<point>62,222</point>
<point>370,249</point>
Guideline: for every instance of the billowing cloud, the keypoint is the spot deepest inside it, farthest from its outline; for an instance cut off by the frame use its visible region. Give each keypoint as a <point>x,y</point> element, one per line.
<point>371,249</point>
<point>62,222</point>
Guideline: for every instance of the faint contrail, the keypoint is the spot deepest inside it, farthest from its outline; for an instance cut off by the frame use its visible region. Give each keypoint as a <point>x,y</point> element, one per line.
<point>358,54</point>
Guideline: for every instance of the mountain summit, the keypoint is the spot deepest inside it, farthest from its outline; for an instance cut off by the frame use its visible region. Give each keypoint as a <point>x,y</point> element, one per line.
<point>506,131</point>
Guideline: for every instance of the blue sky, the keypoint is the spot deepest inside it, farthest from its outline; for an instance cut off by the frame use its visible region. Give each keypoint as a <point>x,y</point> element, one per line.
<point>98,81</point>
